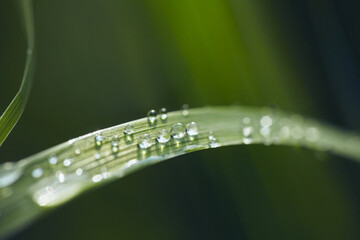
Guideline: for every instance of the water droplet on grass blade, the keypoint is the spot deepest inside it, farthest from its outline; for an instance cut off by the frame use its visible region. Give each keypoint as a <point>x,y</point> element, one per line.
<point>266,121</point>
<point>152,114</point>
<point>98,141</point>
<point>129,129</point>
<point>213,142</point>
<point>163,114</point>
<point>178,131</point>
<point>97,178</point>
<point>114,146</point>
<point>53,160</point>
<point>145,141</point>
<point>79,172</point>
<point>247,133</point>
<point>185,110</point>
<point>60,176</point>
<point>37,172</point>
<point>163,136</point>
<point>67,162</point>
<point>192,129</point>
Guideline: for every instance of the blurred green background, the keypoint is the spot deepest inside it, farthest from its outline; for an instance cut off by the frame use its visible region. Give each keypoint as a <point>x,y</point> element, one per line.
<point>101,63</point>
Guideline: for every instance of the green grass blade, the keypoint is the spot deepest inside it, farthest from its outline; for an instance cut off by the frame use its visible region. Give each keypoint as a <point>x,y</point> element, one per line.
<point>50,178</point>
<point>13,112</point>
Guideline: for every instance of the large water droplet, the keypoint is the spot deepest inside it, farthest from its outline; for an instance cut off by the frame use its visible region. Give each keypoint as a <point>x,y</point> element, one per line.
<point>163,136</point>
<point>98,141</point>
<point>152,114</point>
<point>145,141</point>
<point>178,131</point>
<point>192,129</point>
<point>37,172</point>
<point>9,173</point>
<point>163,114</point>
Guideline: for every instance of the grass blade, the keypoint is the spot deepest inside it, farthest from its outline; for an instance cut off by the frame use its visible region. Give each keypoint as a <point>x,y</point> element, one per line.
<point>50,178</point>
<point>13,112</point>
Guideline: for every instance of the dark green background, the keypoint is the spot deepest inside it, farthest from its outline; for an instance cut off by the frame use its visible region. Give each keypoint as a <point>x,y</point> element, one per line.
<point>101,63</point>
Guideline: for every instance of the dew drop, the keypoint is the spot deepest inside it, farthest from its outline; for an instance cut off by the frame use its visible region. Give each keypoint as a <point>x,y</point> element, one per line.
<point>98,141</point>
<point>114,146</point>
<point>9,173</point>
<point>213,142</point>
<point>53,160</point>
<point>79,172</point>
<point>185,110</point>
<point>247,140</point>
<point>44,196</point>
<point>77,151</point>
<point>60,176</point>
<point>192,129</point>
<point>247,133</point>
<point>129,129</point>
<point>37,172</point>
<point>163,114</point>
<point>178,131</point>
<point>152,114</point>
<point>97,178</point>
<point>163,136</point>
<point>97,156</point>
<point>67,162</point>
<point>265,131</point>
<point>266,121</point>
<point>145,141</point>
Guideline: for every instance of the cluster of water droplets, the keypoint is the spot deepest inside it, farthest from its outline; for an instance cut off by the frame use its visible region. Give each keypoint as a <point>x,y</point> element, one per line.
<point>64,175</point>
<point>60,169</point>
<point>177,132</point>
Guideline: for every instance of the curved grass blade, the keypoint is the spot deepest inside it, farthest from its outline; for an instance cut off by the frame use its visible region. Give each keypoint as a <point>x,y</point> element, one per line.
<point>50,178</point>
<point>13,112</point>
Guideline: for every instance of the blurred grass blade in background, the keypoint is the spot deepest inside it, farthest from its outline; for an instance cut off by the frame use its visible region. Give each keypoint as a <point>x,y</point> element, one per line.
<point>13,112</point>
